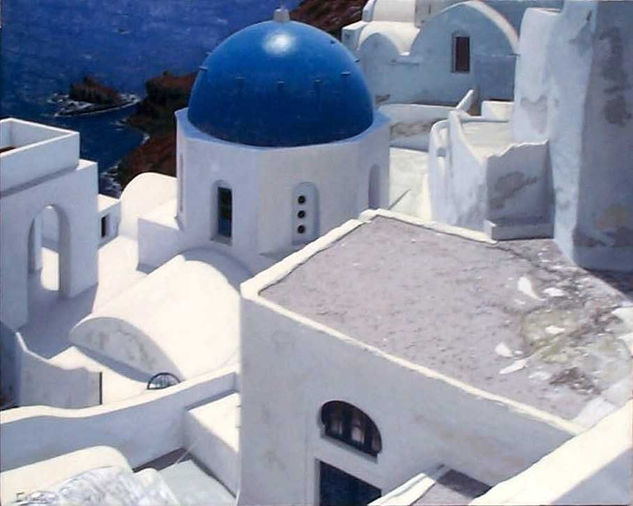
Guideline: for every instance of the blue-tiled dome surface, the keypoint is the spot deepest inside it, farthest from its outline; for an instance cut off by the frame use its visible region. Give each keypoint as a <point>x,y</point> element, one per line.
<point>280,84</point>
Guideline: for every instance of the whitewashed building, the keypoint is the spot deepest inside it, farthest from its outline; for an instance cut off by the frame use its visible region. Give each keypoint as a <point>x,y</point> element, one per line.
<point>270,327</point>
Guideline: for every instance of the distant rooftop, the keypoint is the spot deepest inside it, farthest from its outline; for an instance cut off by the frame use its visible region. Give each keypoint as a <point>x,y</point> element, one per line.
<point>473,311</point>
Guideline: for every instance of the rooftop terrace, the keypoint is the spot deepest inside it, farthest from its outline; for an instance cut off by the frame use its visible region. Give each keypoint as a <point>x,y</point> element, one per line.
<point>516,318</point>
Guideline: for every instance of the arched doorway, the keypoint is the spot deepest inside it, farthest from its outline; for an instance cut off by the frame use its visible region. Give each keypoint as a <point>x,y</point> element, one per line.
<point>47,256</point>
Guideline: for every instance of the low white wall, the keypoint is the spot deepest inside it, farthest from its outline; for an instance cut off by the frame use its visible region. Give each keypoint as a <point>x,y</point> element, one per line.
<point>411,123</point>
<point>424,417</point>
<point>458,188</point>
<point>37,381</point>
<point>143,428</point>
<point>495,109</point>
<point>518,183</point>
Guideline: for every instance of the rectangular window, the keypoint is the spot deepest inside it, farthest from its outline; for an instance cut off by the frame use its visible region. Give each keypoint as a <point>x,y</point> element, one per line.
<point>104,227</point>
<point>461,54</point>
<point>225,212</point>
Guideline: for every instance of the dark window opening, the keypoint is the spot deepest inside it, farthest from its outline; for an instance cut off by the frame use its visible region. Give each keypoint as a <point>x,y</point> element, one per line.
<point>348,424</point>
<point>336,488</point>
<point>104,227</point>
<point>301,199</point>
<point>461,54</point>
<point>225,212</point>
<point>301,229</point>
<point>301,214</point>
<point>162,380</point>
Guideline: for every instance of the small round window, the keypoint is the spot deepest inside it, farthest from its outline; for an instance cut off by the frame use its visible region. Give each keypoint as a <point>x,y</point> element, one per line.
<point>301,214</point>
<point>301,199</point>
<point>301,229</point>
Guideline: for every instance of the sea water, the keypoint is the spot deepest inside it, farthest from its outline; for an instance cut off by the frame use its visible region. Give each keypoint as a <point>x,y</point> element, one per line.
<point>45,45</point>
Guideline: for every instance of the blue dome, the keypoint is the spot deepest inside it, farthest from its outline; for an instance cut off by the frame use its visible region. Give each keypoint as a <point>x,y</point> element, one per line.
<point>280,84</point>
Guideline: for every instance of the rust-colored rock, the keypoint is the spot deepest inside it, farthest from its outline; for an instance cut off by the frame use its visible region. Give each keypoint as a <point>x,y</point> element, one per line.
<point>89,90</point>
<point>329,15</point>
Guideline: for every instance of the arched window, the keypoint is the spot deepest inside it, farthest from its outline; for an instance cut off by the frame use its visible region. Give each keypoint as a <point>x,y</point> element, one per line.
<point>305,213</point>
<point>348,424</point>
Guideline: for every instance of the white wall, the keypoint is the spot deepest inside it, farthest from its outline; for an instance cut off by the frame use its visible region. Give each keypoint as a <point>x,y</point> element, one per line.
<point>529,118</point>
<point>291,366</point>
<point>411,123</point>
<point>33,380</point>
<point>143,428</point>
<point>457,184</point>
<point>422,71</point>
<point>144,193</point>
<point>590,118</point>
<point>74,195</point>
<point>595,467</point>
<point>40,151</point>
<point>262,182</point>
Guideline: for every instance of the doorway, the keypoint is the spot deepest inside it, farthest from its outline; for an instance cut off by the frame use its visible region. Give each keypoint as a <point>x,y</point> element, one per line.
<point>337,488</point>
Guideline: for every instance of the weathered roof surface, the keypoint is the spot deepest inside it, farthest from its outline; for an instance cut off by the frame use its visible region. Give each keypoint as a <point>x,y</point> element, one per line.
<point>472,310</point>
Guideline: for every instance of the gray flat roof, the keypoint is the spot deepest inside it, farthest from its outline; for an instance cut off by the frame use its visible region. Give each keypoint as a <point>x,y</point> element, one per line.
<point>470,310</point>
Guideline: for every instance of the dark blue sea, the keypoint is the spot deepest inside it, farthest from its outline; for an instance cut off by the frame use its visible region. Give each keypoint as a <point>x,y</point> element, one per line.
<point>45,45</point>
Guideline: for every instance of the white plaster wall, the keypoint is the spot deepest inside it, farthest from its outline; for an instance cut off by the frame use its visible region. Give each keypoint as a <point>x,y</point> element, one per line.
<point>74,195</point>
<point>160,235</point>
<point>529,118</point>
<point>143,194</point>
<point>424,418</point>
<point>33,380</point>
<point>493,43</point>
<point>494,109</point>
<point>393,10</point>
<point>458,183</point>
<point>411,123</point>
<point>595,467</point>
<point>143,428</point>
<point>600,235</point>
<point>422,71</point>
<point>40,151</point>
<point>262,181</point>
<point>519,184</point>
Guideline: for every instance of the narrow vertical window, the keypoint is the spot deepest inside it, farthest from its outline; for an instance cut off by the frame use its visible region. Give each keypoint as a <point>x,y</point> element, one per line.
<point>104,226</point>
<point>225,212</point>
<point>461,54</point>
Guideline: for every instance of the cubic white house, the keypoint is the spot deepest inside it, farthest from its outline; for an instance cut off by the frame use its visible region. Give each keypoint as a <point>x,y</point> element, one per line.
<point>366,284</point>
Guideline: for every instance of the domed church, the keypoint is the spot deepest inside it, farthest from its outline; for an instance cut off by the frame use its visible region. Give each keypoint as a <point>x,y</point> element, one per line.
<point>280,143</point>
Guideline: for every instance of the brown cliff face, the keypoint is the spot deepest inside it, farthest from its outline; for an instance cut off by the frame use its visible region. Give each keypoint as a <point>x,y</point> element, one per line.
<point>155,116</point>
<point>329,15</point>
<point>168,93</point>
